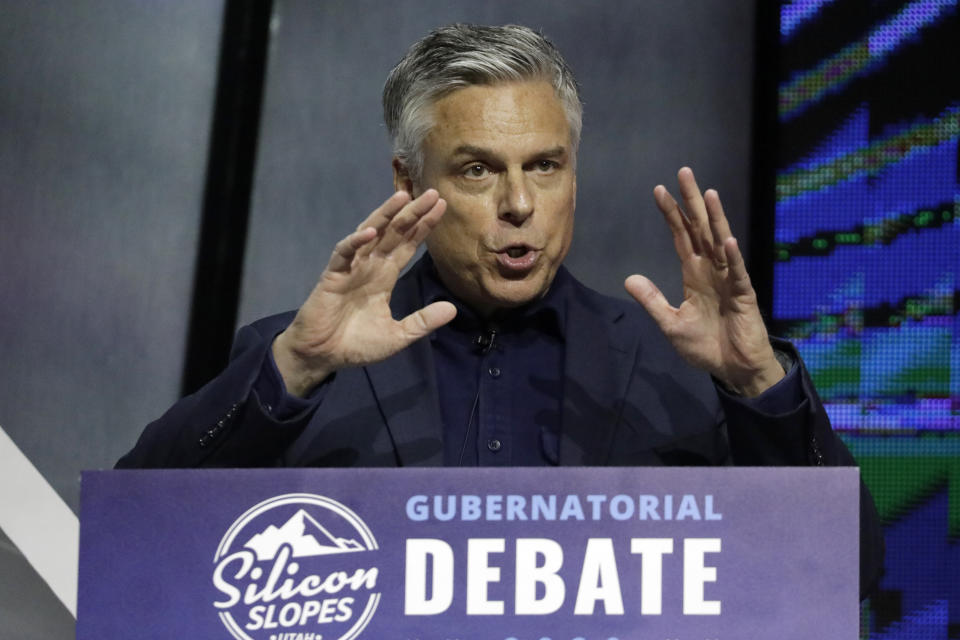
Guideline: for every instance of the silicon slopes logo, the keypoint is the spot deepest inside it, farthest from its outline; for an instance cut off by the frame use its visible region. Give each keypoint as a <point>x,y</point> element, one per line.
<point>296,564</point>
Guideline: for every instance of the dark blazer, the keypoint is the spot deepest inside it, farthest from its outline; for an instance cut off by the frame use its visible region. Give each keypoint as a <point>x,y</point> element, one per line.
<point>628,400</point>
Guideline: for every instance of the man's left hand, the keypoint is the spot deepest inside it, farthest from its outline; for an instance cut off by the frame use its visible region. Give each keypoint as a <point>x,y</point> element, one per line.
<point>718,327</point>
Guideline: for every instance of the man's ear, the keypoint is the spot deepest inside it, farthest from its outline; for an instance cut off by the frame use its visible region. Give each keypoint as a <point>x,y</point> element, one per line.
<point>401,177</point>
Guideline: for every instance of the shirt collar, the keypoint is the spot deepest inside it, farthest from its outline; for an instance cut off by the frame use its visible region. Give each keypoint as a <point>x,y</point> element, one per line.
<point>549,312</point>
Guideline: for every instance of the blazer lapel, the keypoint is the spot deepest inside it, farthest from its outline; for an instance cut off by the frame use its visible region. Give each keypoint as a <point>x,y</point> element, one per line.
<point>405,388</point>
<point>600,353</point>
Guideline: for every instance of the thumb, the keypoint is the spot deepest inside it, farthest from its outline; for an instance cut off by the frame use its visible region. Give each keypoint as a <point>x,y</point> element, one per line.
<point>652,299</point>
<point>430,318</point>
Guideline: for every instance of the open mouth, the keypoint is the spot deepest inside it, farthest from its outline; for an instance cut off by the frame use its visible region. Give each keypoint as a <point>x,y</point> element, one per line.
<point>517,260</point>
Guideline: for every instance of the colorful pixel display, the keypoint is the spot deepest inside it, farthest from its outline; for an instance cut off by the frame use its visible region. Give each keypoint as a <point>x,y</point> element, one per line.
<point>866,271</point>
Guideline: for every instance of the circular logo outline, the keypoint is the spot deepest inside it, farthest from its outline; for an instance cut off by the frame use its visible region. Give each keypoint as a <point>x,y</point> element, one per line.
<point>300,498</point>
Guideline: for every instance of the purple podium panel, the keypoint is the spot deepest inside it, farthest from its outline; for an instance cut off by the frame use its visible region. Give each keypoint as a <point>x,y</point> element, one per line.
<point>470,554</point>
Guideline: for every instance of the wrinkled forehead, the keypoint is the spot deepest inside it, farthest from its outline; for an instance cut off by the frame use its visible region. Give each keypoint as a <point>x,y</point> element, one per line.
<point>494,115</point>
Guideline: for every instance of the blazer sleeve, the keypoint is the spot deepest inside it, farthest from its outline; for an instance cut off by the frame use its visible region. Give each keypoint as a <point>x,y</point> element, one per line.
<point>223,424</point>
<point>803,437</point>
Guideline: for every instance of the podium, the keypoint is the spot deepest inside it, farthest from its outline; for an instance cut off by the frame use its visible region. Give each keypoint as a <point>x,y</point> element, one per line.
<point>486,554</point>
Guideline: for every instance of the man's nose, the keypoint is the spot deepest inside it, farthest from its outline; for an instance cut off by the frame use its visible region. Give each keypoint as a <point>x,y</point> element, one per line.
<point>516,198</point>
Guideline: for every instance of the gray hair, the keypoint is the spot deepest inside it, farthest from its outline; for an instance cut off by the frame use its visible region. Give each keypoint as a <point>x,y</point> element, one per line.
<point>461,55</point>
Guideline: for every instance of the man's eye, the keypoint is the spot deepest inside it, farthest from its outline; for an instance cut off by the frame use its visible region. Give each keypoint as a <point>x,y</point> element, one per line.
<point>546,166</point>
<point>476,171</point>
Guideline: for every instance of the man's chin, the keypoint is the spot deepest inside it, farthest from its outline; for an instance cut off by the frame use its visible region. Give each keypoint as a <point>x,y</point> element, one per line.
<point>510,294</point>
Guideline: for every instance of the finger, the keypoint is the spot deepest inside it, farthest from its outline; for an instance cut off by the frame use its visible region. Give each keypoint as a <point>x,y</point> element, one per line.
<point>401,254</point>
<point>381,216</point>
<point>719,226</point>
<point>677,222</point>
<point>433,316</point>
<point>346,249</point>
<point>696,211</point>
<point>427,223</point>
<point>404,222</point>
<point>652,299</point>
<point>739,277</point>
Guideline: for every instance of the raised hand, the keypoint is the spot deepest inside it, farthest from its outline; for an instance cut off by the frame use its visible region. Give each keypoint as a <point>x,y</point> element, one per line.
<point>346,320</point>
<point>718,326</point>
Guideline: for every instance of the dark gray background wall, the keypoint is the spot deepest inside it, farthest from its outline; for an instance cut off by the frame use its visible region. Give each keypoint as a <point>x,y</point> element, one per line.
<point>104,117</point>
<point>105,113</point>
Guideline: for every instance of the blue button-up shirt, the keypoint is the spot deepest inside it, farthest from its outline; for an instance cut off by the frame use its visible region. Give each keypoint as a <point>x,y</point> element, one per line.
<point>500,379</point>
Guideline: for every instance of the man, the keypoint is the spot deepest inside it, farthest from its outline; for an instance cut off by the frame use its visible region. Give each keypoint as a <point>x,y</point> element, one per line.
<point>523,365</point>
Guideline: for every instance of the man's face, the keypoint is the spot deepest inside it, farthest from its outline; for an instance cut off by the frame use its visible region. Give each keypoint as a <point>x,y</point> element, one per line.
<point>501,157</point>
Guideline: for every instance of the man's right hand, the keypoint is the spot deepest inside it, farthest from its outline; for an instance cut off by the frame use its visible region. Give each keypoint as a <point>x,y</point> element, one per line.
<point>346,320</point>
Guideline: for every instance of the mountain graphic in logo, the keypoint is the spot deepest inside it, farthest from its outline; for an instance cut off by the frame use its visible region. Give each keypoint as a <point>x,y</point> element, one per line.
<point>306,537</point>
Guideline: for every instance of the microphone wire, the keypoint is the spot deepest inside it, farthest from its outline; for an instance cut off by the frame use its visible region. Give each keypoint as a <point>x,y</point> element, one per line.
<point>486,344</point>
<point>466,435</point>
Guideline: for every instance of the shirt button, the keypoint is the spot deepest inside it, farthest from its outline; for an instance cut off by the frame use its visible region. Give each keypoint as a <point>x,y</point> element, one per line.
<point>494,372</point>
<point>494,445</point>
